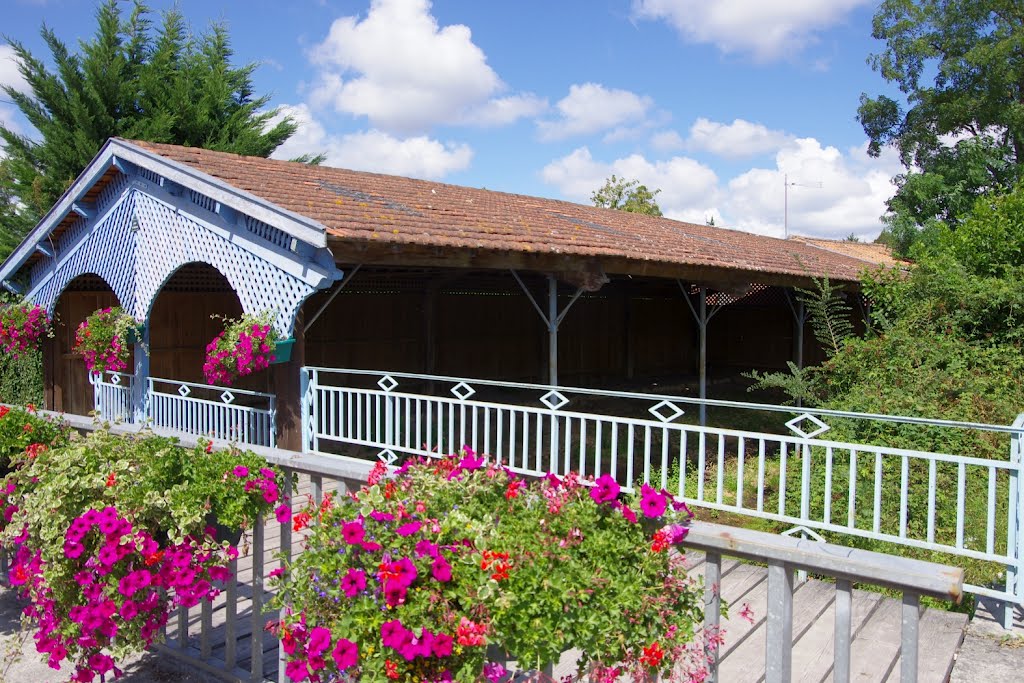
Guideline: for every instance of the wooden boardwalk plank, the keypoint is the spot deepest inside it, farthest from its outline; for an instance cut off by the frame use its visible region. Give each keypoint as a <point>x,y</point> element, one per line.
<point>939,637</point>
<point>814,653</point>
<point>876,646</point>
<point>746,662</point>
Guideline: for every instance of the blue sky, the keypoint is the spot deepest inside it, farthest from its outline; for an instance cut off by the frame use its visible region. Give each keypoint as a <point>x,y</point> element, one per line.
<point>713,102</point>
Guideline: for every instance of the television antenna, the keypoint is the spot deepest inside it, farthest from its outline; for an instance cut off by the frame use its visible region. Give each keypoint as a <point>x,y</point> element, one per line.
<point>785,215</point>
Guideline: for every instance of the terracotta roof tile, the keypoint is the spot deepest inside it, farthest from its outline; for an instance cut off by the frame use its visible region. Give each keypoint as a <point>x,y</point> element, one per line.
<point>377,208</point>
<point>871,252</point>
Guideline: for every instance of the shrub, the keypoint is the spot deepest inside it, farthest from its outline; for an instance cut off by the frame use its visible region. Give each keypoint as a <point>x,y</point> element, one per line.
<point>24,431</point>
<point>110,533</point>
<point>413,577</point>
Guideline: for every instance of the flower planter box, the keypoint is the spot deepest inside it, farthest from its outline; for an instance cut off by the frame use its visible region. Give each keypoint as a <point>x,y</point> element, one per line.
<point>283,351</point>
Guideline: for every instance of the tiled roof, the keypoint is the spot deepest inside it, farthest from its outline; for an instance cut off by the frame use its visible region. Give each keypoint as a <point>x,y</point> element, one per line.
<point>871,252</point>
<point>369,208</point>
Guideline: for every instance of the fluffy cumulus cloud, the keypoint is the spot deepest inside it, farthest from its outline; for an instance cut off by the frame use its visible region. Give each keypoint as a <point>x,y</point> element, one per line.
<point>592,108</point>
<point>688,188</point>
<point>852,193</point>
<point>735,140</point>
<point>403,72</point>
<point>765,30</point>
<point>373,150</point>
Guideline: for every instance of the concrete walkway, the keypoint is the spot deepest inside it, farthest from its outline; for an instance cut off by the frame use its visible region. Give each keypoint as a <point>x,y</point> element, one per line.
<point>990,652</point>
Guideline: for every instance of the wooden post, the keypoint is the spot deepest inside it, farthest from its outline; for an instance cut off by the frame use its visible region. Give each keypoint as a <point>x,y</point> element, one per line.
<point>286,384</point>
<point>630,343</point>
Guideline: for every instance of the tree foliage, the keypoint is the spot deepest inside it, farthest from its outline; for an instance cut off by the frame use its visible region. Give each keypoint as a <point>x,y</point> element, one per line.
<point>626,195</point>
<point>128,80</point>
<point>960,134</point>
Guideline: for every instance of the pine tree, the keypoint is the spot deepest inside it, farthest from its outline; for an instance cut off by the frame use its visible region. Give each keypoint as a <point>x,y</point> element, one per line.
<point>129,81</point>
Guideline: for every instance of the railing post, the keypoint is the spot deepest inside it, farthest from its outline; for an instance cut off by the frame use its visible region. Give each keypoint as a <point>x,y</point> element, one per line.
<point>304,393</point>
<point>844,608</point>
<point>140,382</point>
<point>908,637</point>
<point>779,638</point>
<point>1015,526</point>
<point>272,418</point>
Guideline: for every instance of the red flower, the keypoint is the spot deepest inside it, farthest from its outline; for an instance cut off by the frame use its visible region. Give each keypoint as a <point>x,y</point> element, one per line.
<point>301,520</point>
<point>111,479</point>
<point>390,669</point>
<point>4,410</point>
<point>653,654</point>
<point>28,429</point>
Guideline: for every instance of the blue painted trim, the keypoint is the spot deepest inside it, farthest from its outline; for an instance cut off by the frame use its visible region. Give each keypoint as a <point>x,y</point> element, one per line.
<point>13,288</point>
<point>86,210</point>
<point>44,249</point>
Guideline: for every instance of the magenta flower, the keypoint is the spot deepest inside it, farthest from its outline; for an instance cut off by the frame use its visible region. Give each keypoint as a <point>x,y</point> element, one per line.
<point>283,513</point>
<point>353,532</point>
<point>493,671</point>
<point>296,670</point>
<point>346,654</point>
<point>240,471</point>
<point>392,633</point>
<point>408,529</point>
<point>441,645</point>
<point>319,641</point>
<point>441,570</point>
<point>353,582</point>
<point>605,489</point>
<point>394,593</point>
<point>652,503</point>
<point>628,513</point>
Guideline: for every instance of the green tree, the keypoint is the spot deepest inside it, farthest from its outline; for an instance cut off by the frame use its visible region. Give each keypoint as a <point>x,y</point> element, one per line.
<point>960,69</point>
<point>626,195</point>
<point>129,80</point>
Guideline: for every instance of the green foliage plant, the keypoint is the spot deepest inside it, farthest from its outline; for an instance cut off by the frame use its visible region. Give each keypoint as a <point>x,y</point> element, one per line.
<point>416,575</point>
<point>24,432</point>
<point>957,122</point>
<point>110,533</point>
<point>626,195</point>
<point>105,338</point>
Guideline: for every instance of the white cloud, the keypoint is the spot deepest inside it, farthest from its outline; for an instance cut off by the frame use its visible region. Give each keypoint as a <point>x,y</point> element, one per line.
<point>501,111</point>
<point>667,141</point>
<point>405,73</point>
<point>687,187</point>
<point>735,140</point>
<point>591,108</point>
<point>767,30</point>
<point>9,74</point>
<point>852,195</point>
<point>373,150</point>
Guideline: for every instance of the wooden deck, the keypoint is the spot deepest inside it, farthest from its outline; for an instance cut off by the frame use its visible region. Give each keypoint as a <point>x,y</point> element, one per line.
<point>875,626</point>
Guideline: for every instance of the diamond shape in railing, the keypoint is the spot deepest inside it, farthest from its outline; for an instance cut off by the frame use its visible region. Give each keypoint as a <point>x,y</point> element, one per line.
<point>114,379</point>
<point>554,399</point>
<point>463,391</point>
<point>387,383</point>
<point>227,397</point>
<point>659,412</point>
<point>794,425</point>
<point>387,456</point>
<point>184,391</point>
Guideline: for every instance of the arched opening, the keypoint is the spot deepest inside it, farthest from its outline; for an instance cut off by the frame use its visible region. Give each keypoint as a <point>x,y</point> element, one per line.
<point>181,323</point>
<point>66,377</point>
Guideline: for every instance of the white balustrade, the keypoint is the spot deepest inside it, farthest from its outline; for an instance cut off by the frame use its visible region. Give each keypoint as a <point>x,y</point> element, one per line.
<point>246,417</point>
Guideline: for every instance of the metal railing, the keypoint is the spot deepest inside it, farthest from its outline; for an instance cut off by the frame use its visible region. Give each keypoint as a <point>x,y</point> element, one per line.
<point>112,395</point>
<point>783,555</point>
<point>228,637</point>
<point>966,506</point>
<point>239,415</point>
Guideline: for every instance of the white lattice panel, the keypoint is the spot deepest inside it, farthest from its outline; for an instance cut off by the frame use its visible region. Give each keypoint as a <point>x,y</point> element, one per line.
<point>140,241</point>
<point>169,239</point>
<point>108,250</point>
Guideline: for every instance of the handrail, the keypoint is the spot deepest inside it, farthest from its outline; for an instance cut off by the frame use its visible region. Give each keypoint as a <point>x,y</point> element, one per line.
<point>717,403</point>
<point>785,555</point>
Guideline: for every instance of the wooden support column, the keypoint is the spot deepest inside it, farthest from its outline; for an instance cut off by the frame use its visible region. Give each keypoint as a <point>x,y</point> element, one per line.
<point>630,342</point>
<point>51,367</point>
<point>287,386</point>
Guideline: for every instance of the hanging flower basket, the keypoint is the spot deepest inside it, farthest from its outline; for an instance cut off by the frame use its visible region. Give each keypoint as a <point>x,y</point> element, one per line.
<point>283,351</point>
<point>105,339</point>
<point>22,325</point>
<point>246,345</point>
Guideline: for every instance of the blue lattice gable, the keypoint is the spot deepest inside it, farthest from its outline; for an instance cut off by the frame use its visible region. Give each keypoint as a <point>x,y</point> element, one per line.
<point>154,216</point>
